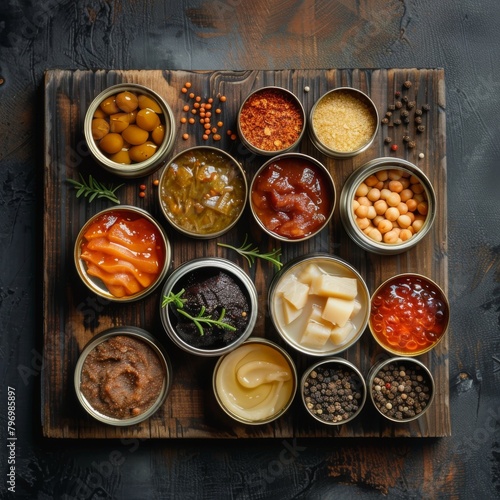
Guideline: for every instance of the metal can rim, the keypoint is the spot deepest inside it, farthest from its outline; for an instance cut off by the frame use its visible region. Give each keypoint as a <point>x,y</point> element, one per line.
<point>445,330</point>
<point>332,153</point>
<point>288,267</point>
<point>237,165</point>
<point>347,195</point>
<point>251,147</point>
<point>340,361</point>
<point>397,359</point>
<point>95,285</point>
<point>150,341</point>
<point>327,176</point>
<point>135,169</point>
<point>288,358</point>
<point>238,274</point>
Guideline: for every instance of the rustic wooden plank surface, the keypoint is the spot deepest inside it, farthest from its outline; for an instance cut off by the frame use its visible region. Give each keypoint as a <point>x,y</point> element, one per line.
<point>72,315</point>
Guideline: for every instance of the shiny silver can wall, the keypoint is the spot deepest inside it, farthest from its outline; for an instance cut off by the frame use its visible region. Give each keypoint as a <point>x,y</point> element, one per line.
<point>230,305</point>
<point>387,206</point>
<point>123,376</point>
<point>401,389</point>
<point>343,122</point>
<point>129,129</point>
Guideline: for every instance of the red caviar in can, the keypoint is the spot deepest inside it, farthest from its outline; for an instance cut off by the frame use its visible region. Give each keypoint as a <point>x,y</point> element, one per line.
<point>409,314</point>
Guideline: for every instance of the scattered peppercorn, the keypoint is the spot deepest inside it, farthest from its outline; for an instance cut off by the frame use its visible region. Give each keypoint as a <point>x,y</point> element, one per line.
<point>406,138</point>
<point>397,122</point>
<point>418,119</point>
<point>418,112</point>
<point>388,140</point>
<point>411,104</point>
<point>421,128</point>
<point>385,120</point>
<point>426,107</point>
<point>388,114</point>
<point>398,105</point>
<point>397,93</point>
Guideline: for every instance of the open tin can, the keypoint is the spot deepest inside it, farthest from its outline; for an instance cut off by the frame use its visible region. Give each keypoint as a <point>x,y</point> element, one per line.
<point>401,389</point>
<point>122,376</point>
<point>410,211</point>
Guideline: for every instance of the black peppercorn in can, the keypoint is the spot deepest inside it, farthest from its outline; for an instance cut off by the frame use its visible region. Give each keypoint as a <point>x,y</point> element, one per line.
<point>333,391</point>
<point>401,389</point>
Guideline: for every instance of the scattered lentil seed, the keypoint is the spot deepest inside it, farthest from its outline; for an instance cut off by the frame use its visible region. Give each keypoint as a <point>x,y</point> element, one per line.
<point>184,90</point>
<point>156,182</point>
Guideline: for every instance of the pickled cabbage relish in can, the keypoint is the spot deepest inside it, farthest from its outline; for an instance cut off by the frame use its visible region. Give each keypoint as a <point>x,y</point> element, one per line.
<point>343,122</point>
<point>202,192</point>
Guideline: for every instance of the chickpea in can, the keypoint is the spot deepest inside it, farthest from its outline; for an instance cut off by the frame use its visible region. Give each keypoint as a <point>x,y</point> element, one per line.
<point>390,206</point>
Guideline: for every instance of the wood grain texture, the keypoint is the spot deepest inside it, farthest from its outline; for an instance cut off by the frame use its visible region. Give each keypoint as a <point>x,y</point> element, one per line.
<point>72,315</point>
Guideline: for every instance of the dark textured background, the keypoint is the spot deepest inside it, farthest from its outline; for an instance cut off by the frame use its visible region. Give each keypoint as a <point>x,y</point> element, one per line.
<point>462,36</point>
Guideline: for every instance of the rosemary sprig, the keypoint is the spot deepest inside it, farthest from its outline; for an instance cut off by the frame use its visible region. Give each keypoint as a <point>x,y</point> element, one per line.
<point>174,298</point>
<point>251,252</point>
<point>200,319</point>
<point>95,189</point>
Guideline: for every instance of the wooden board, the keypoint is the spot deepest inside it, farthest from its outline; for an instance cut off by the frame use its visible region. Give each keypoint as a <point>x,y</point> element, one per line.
<point>72,315</point>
